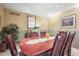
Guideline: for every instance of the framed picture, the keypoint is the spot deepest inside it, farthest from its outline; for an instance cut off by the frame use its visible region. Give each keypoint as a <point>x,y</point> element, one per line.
<point>68,21</point>
<point>31,22</point>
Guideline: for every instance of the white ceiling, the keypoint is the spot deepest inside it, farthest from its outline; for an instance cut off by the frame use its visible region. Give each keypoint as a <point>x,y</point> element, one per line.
<point>40,9</point>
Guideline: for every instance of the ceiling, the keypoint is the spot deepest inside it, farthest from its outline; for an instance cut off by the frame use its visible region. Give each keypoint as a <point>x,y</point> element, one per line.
<point>40,9</point>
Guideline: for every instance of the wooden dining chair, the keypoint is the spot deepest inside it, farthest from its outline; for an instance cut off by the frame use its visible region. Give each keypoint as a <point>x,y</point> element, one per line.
<point>34,35</point>
<point>42,34</point>
<point>12,46</point>
<point>57,45</point>
<point>68,44</point>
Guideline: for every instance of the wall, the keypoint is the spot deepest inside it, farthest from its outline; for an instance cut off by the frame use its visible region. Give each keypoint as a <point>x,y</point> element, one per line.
<point>43,22</point>
<point>2,17</point>
<point>56,20</point>
<point>21,20</point>
<point>54,24</point>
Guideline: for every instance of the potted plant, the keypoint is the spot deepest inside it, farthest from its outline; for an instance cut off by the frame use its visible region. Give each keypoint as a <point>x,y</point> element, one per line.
<point>9,29</point>
<point>2,44</point>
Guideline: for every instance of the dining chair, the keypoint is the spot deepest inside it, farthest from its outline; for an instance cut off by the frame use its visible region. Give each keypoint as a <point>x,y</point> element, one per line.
<point>57,45</point>
<point>68,44</point>
<point>26,35</point>
<point>12,46</point>
<point>43,34</point>
<point>34,35</point>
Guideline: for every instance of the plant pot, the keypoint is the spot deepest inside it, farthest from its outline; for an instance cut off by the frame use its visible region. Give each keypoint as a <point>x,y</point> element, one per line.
<point>2,47</point>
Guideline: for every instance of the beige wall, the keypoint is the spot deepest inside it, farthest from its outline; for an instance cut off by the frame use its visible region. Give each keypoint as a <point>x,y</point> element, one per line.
<point>55,22</point>
<point>43,22</point>
<point>2,17</point>
<point>21,20</point>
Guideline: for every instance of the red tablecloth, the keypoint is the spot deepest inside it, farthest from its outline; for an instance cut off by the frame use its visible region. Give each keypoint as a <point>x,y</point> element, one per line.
<point>33,49</point>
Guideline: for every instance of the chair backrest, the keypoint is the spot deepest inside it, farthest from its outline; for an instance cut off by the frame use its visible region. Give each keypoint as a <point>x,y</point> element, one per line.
<point>61,33</point>
<point>11,44</point>
<point>69,41</point>
<point>34,35</point>
<point>43,34</point>
<point>26,35</point>
<point>58,44</point>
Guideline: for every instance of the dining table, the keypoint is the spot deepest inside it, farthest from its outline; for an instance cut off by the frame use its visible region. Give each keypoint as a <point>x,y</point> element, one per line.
<point>32,47</point>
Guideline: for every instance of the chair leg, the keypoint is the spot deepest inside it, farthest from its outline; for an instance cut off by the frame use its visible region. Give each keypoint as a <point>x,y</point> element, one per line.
<point>7,46</point>
<point>22,54</point>
<point>69,52</point>
<point>62,54</point>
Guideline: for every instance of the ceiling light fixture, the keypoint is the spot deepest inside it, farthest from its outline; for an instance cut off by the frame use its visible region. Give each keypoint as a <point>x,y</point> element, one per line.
<point>57,6</point>
<point>38,7</point>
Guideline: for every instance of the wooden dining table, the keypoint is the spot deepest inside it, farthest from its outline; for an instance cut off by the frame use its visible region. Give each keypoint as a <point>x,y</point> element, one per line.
<point>31,47</point>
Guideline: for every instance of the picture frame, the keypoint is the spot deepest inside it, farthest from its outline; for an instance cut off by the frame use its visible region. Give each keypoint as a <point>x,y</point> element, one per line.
<point>31,22</point>
<point>68,21</point>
